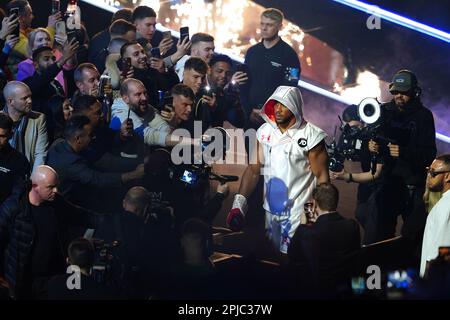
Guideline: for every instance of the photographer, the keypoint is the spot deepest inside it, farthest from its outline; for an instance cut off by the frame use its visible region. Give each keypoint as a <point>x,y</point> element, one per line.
<point>81,254</point>
<point>355,130</point>
<point>411,126</point>
<point>141,228</point>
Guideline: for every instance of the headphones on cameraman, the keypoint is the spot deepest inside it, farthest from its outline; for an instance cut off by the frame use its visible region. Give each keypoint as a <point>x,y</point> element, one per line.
<point>415,89</point>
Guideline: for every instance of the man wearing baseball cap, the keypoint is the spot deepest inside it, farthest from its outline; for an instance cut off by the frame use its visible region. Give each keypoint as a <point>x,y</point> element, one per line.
<point>409,128</point>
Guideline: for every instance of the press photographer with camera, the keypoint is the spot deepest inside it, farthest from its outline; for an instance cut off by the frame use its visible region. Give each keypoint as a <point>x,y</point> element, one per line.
<point>147,244</point>
<point>354,144</point>
<point>81,256</point>
<point>410,126</point>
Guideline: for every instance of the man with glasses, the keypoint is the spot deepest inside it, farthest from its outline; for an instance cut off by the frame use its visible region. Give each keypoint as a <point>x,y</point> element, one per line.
<point>410,127</point>
<point>437,229</point>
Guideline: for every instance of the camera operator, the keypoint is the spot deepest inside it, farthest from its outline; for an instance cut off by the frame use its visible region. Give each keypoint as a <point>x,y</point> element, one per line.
<point>226,88</point>
<point>367,179</point>
<point>81,254</point>
<point>147,243</point>
<point>411,126</point>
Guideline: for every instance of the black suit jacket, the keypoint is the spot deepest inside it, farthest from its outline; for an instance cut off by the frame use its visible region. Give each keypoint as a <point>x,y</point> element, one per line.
<point>327,247</point>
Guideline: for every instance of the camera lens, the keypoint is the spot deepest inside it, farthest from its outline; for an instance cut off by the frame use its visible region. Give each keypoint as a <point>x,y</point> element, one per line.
<point>369,110</point>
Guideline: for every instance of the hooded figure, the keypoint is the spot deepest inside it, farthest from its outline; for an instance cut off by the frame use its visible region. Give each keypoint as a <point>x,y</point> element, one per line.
<point>286,162</point>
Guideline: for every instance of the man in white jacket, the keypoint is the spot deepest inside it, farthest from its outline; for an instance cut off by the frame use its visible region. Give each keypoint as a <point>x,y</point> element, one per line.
<point>292,157</point>
<point>147,123</point>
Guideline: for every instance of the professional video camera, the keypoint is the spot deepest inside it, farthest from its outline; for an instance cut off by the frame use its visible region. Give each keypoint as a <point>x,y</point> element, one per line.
<point>192,174</point>
<point>350,142</point>
<point>102,269</point>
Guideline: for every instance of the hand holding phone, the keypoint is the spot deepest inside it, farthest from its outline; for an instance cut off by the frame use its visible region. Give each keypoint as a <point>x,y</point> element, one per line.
<point>56,6</point>
<point>126,66</point>
<point>168,115</point>
<point>167,35</point>
<point>61,34</point>
<point>8,27</point>
<point>184,33</point>
<point>127,128</point>
<point>14,12</point>
<point>61,29</point>
<point>155,53</point>
<point>241,67</point>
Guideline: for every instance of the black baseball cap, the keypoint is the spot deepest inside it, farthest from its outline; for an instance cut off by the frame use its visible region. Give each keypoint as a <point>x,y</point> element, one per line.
<point>403,81</point>
<point>37,51</point>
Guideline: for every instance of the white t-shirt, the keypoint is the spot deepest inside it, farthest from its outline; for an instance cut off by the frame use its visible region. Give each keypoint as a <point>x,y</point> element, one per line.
<point>437,231</point>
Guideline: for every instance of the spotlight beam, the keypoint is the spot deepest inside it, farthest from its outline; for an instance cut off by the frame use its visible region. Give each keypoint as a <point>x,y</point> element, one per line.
<point>397,19</point>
